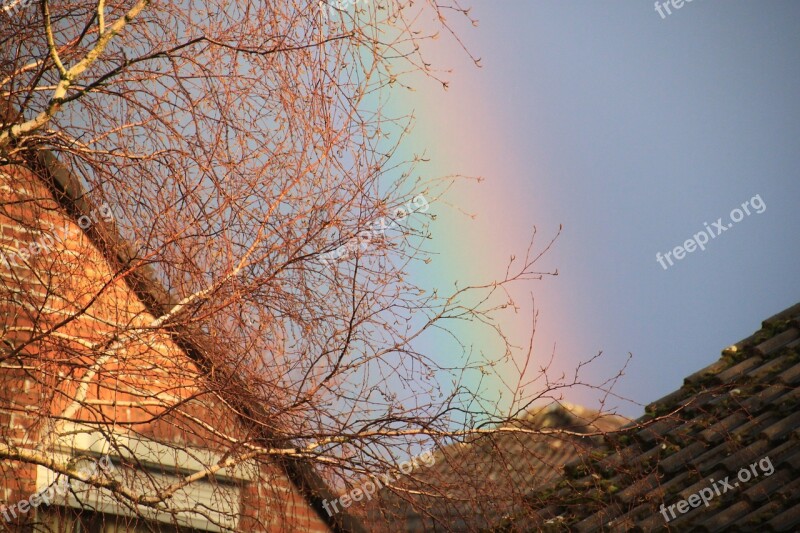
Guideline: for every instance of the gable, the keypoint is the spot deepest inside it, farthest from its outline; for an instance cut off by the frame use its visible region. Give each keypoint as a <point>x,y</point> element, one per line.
<point>87,371</point>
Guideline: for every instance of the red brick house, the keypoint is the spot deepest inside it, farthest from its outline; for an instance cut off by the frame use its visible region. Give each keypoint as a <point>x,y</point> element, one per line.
<point>89,375</point>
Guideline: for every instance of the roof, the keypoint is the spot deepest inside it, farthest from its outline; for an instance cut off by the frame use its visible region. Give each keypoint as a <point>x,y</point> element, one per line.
<point>720,453</point>
<point>473,484</point>
<point>67,190</point>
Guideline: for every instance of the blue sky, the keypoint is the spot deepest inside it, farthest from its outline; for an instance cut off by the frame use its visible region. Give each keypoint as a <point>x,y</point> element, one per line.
<point>632,131</point>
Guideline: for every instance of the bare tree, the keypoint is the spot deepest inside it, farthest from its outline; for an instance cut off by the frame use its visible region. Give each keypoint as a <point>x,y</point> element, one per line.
<point>250,166</point>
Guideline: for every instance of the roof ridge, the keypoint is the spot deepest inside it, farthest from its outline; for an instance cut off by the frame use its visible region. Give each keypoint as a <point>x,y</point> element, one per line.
<point>567,416</point>
<point>776,332</point>
<point>740,412</point>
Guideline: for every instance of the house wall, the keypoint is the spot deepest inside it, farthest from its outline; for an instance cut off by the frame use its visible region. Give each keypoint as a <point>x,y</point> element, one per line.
<point>85,336</point>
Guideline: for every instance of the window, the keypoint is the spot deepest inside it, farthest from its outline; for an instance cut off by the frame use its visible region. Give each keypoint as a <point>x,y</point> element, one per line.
<point>68,520</point>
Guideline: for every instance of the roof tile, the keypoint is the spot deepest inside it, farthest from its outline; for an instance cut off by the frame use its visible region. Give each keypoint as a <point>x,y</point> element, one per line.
<point>772,366</point>
<point>628,520</point>
<point>722,429</point>
<point>762,490</point>
<point>778,341</point>
<point>746,431</point>
<point>709,372</point>
<point>788,520</point>
<point>781,428</point>
<point>746,456</point>
<point>656,431</point>
<point>640,488</point>
<point>668,400</point>
<point>791,313</point>
<point>678,461</point>
<point>791,376</point>
<point>790,491</point>
<point>739,370</point>
<point>791,461</point>
<point>722,521</point>
<point>763,397</point>
<point>712,458</point>
<point>752,521</point>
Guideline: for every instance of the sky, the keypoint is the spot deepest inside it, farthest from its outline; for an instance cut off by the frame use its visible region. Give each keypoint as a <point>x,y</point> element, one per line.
<point>636,133</point>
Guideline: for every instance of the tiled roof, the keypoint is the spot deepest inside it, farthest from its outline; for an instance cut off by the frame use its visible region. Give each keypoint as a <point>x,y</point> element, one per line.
<point>472,485</point>
<point>729,433</point>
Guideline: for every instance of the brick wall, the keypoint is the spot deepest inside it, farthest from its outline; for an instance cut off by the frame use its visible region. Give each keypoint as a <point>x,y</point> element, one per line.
<point>62,303</point>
